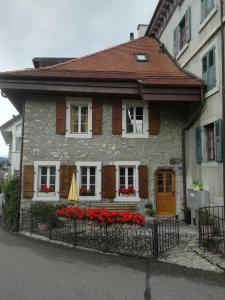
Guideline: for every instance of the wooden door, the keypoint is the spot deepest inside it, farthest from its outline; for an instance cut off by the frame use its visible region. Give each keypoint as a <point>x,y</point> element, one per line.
<point>165,193</point>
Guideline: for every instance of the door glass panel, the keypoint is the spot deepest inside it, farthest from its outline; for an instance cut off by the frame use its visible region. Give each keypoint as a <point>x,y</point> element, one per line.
<point>160,183</point>
<point>168,183</point>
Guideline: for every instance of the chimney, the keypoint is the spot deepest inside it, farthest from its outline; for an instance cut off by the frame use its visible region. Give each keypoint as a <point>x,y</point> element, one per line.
<point>131,36</point>
<point>142,28</point>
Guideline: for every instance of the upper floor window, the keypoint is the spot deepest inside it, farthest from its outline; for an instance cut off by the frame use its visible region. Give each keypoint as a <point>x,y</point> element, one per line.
<point>209,69</point>
<point>135,119</point>
<point>182,33</point>
<point>79,118</point>
<point>206,7</point>
<point>141,57</point>
<point>17,143</point>
<point>210,140</point>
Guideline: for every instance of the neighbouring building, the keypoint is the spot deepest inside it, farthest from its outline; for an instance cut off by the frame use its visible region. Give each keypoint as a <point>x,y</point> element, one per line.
<point>12,135</point>
<point>114,118</point>
<point>191,32</point>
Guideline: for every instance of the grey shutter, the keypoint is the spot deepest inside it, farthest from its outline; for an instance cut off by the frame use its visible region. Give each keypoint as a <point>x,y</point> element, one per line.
<point>175,41</point>
<point>188,24</point>
<point>211,69</point>
<point>199,145</point>
<point>205,69</point>
<point>218,140</point>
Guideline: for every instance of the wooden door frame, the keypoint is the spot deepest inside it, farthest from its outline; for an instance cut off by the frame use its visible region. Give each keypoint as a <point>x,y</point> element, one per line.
<point>156,185</point>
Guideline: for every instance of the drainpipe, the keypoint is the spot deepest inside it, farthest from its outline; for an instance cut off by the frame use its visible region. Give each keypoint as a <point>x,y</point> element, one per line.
<point>189,125</point>
<point>223,97</point>
<point>21,165</point>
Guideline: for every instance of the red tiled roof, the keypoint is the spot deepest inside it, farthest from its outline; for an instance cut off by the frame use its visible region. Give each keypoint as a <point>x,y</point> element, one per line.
<point>117,63</point>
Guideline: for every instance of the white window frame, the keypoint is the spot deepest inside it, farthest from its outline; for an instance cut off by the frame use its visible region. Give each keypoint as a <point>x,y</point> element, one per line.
<point>98,179</point>
<point>15,138</point>
<point>134,164</point>
<point>79,102</point>
<point>39,196</point>
<point>131,103</point>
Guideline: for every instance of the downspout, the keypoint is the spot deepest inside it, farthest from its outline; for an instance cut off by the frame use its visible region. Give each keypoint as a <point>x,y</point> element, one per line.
<point>21,166</point>
<point>187,127</point>
<point>223,98</point>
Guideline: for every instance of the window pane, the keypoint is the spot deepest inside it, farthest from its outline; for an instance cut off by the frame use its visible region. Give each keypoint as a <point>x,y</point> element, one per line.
<point>84,180</point>
<point>211,58</point>
<point>43,170</point>
<point>130,119</point>
<point>122,171</point>
<point>130,181</point>
<point>92,170</point>
<point>92,180</point>
<point>18,143</point>
<point>43,180</point>
<point>84,171</point>
<point>92,190</point>
<point>168,183</point>
<point>84,119</point>
<point>160,183</point>
<point>122,181</point>
<point>204,66</point>
<point>52,170</point>
<point>52,180</point>
<point>74,119</point>
<point>130,171</point>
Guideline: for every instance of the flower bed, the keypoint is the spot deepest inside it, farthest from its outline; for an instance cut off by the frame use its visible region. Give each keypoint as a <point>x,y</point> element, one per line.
<point>101,215</point>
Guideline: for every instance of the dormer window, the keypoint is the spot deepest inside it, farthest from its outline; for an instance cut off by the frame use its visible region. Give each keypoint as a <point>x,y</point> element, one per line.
<point>141,57</point>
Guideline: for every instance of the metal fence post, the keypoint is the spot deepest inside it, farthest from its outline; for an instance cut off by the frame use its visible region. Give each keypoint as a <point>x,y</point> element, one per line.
<point>155,239</point>
<point>178,229</point>
<point>75,232</point>
<point>50,226</point>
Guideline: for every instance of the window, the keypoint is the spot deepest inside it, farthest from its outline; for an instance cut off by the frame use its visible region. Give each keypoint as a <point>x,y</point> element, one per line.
<point>141,57</point>
<point>210,141</point>
<point>135,120</point>
<point>127,181</point>
<point>182,33</point>
<point>79,118</point>
<point>46,181</point>
<point>18,144</point>
<point>89,180</point>
<point>209,69</point>
<point>206,7</point>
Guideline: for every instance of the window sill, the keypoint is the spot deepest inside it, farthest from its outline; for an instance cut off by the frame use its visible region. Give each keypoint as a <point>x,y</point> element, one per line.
<point>89,198</point>
<point>45,198</point>
<point>212,92</point>
<point>79,136</point>
<point>207,19</point>
<point>127,199</point>
<point>210,164</point>
<point>135,136</point>
<point>181,52</point>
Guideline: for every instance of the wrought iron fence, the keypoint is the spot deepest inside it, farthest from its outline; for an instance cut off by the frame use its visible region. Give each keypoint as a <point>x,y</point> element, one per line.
<point>149,240</point>
<point>212,228</point>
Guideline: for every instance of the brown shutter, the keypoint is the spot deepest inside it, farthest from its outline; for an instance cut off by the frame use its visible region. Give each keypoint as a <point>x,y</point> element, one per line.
<point>66,173</point>
<point>117,118</point>
<point>28,181</point>
<point>143,181</point>
<point>154,119</point>
<point>96,117</point>
<point>60,117</point>
<point>109,181</point>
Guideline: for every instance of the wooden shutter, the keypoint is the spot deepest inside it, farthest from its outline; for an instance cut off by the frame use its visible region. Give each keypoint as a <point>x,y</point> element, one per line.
<point>109,181</point>
<point>199,145</point>
<point>154,119</point>
<point>66,173</point>
<point>117,118</point>
<point>188,24</point>
<point>176,41</point>
<point>218,140</point>
<point>28,181</point>
<point>60,117</point>
<point>143,182</point>
<point>96,117</point>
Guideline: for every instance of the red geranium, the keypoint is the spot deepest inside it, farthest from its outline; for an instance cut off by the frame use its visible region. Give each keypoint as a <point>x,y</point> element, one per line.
<point>129,190</point>
<point>46,189</point>
<point>101,215</point>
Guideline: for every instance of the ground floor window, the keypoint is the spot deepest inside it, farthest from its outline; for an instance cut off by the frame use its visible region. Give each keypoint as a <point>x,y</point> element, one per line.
<point>127,181</point>
<point>210,140</point>
<point>46,180</point>
<point>89,180</point>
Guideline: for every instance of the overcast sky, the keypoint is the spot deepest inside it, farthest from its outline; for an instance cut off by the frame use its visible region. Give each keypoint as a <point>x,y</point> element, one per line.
<point>64,28</point>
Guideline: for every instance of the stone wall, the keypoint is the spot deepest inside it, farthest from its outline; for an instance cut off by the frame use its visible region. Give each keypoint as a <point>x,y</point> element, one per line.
<point>42,143</point>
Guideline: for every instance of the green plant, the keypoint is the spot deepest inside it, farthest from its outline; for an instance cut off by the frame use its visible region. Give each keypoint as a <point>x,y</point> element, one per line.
<point>197,185</point>
<point>149,210</point>
<point>10,205</point>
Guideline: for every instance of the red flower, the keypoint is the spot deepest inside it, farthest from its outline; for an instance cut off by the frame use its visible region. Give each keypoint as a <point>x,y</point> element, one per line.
<point>46,189</point>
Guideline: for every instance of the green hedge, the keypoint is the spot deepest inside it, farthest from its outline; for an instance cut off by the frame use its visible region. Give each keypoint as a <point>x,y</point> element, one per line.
<point>10,206</point>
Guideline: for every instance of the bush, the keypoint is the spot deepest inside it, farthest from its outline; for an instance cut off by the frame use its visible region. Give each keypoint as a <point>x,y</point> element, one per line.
<point>149,210</point>
<point>10,205</point>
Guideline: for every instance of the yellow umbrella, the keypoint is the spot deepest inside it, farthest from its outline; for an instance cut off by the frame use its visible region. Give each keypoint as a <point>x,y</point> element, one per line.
<point>73,195</point>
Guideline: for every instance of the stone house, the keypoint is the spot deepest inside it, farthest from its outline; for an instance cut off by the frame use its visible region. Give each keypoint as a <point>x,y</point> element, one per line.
<point>191,32</point>
<point>114,117</point>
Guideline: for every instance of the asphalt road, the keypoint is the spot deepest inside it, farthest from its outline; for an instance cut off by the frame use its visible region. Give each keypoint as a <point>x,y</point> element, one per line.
<point>36,270</point>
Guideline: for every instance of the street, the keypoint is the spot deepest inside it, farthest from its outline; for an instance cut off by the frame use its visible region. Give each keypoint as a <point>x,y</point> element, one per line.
<point>32,269</point>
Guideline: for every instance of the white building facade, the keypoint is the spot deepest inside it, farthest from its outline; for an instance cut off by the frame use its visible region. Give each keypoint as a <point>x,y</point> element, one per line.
<point>12,135</point>
<point>191,32</point>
